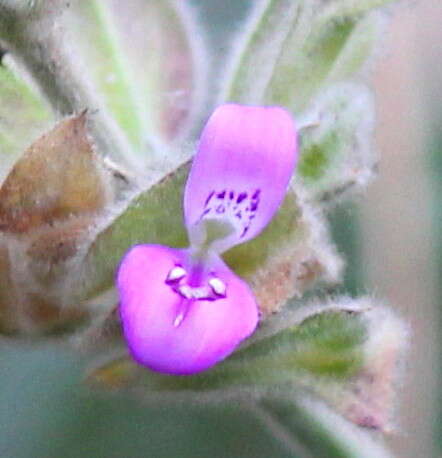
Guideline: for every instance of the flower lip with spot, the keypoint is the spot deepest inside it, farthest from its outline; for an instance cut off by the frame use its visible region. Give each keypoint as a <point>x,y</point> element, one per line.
<point>184,310</point>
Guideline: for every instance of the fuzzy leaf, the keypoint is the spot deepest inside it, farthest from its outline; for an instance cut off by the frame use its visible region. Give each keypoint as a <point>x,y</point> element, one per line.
<point>326,343</point>
<point>287,257</point>
<point>335,48</point>
<point>258,51</point>
<point>369,399</point>
<point>151,88</point>
<point>292,49</point>
<point>58,176</point>
<point>336,156</point>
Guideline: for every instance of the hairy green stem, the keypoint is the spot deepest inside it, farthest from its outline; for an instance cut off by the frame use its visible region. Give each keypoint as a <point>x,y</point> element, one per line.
<point>31,32</point>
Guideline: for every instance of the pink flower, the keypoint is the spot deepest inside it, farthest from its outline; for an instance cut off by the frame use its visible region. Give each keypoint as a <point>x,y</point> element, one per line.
<point>184,310</point>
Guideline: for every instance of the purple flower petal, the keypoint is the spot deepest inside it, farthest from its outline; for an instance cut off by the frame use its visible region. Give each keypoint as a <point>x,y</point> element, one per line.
<point>169,333</point>
<point>241,171</point>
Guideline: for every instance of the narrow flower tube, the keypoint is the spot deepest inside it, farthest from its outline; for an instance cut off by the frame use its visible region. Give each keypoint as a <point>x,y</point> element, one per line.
<point>184,310</point>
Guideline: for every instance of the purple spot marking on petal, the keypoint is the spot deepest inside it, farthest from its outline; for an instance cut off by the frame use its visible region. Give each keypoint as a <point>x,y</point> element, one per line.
<point>241,197</point>
<point>207,210</point>
<point>243,208</point>
<point>209,197</point>
<point>244,232</point>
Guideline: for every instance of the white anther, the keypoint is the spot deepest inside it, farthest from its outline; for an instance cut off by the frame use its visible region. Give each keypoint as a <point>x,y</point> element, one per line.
<point>189,292</point>
<point>218,286</point>
<point>203,292</point>
<point>186,291</point>
<point>177,273</point>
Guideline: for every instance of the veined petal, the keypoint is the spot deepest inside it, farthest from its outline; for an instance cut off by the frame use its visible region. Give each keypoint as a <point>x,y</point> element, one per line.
<point>240,172</point>
<point>169,333</point>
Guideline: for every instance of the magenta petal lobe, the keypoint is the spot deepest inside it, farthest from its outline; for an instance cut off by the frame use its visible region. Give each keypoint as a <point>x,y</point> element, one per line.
<point>177,321</point>
<point>183,311</point>
<point>241,170</point>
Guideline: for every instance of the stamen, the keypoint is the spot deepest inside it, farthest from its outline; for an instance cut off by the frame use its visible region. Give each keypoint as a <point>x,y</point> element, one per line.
<point>218,286</point>
<point>192,292</point>
<point>211,290</point>
<point>176,274</point>
<point>179,319</point>
<point>185,291</point>
<point>202,292</point>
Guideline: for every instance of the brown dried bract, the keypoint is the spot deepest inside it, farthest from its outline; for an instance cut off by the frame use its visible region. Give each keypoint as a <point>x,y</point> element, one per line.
<point>59,243</point>
<point>371,397</point>
<point>288,277</point>
<point>58,176</point>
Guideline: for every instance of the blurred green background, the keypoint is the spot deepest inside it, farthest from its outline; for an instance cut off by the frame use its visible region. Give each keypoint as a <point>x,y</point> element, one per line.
<point>393,241</point>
